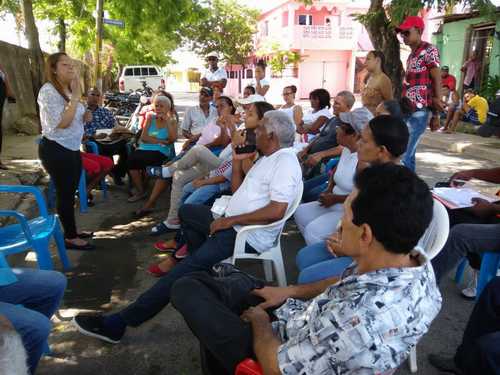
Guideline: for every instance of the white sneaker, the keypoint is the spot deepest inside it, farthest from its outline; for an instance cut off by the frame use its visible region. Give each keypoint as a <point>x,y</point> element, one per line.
<point>470,291</point>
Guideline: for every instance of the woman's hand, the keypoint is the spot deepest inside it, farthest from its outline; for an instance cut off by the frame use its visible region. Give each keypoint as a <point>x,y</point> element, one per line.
<point>199,182</point>
<point>238,139</point>
<point>327,199</point>
<point>87,117</point>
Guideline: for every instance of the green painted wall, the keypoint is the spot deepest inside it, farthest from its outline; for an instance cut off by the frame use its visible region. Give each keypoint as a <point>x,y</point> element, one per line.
<point>451,43</point>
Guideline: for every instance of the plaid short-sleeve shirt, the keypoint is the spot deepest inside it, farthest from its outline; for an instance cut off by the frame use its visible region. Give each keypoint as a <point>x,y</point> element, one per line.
<point>102,118</point>
<point>417,85</point>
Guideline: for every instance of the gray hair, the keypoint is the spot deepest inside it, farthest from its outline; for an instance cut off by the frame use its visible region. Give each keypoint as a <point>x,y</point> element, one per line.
<point>348,97</point>
<point>279,123</point>
<point>164,99</point>
<point>12,353</point>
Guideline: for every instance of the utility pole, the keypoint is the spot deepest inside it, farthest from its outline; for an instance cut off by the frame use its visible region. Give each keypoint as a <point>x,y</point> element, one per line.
<point>98,44</point>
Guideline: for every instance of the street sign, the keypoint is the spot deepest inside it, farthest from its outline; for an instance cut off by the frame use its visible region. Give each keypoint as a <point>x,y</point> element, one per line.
<point>118,23</point>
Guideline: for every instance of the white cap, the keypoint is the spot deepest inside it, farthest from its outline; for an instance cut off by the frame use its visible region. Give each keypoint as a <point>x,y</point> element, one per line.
<point>213,54</point>
<point>252,99</point>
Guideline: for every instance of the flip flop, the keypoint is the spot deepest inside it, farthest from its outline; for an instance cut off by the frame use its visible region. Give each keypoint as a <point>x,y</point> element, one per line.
<point>164,249</point>
<point>85,234</point>
<point>160,229</point>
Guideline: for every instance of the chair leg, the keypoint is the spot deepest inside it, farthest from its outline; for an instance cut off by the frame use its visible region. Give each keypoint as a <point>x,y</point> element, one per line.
<point>412,360</point>
<point>460,271</point>
<point>489,267</point>
<point>104,188</point>
<point>279,265</point>
<point>268,269</point>
<point>61,247</point>
<point>6,276</point>
<point>82,192</point>
<point>43,255</point>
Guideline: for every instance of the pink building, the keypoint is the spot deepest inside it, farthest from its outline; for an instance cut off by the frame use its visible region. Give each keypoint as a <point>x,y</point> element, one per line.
<point>327,37</point>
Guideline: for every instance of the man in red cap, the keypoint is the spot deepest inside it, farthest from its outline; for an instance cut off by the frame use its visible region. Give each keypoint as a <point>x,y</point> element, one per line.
<point>422,83</point>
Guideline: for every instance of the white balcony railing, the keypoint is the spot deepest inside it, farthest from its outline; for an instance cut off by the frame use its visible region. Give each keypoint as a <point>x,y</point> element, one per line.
<point>326,32</point>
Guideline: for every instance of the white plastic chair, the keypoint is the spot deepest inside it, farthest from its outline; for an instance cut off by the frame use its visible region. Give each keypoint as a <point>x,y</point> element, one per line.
<point>274,254</point>
<point>432,243</point>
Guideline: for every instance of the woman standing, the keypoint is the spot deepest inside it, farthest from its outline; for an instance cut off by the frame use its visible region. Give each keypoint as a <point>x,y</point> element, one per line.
<point>378,85</point>
<point>156,145</point>
<point>62,117</point>
<point>261,82</point>
<point>294,111</point>
<point>5,93</point>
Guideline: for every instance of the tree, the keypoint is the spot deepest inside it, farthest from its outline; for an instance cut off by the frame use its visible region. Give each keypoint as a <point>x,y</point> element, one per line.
<point>227,28</point>
<point>382,18</point>
<point>37,60</point>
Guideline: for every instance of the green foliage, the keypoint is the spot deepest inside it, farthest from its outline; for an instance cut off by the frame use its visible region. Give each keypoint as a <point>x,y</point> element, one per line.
<point>150,32</point>
<point>490,87</point>
<point>279,59</point>
<point>225,27</point>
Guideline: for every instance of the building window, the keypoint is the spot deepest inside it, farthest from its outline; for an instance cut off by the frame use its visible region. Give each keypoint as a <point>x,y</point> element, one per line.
<point>305,19</point>
<point>232,74</point>
<point>284,19</point>
<point>265,30</point>
<point>249,73</point>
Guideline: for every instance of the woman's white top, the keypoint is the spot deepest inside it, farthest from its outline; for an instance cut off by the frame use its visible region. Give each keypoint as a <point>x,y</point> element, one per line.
<point>289,112</point>
<point>310,117</point>
<point>344,175</point>
<point>52,106</point>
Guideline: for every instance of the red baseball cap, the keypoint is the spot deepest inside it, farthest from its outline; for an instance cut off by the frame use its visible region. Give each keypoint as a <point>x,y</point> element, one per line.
<point>409,22</point>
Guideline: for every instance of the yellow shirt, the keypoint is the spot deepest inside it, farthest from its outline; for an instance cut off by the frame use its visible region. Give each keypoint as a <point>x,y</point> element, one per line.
<point>479,104</point>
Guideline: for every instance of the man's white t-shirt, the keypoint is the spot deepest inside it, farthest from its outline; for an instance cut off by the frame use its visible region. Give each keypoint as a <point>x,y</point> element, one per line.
<point>195,119</point>
<point>277,178</point>
<point>218,75</point>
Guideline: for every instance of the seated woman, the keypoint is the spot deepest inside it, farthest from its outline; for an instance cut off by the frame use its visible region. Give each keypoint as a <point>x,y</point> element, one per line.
<point>199,160</point>
<point>252,120</point>
<point>384,140</point>
<point>317,220</point>
<point>156,144</point>
<point>294,111</point>
<point>314,119</point>
<point>96,167</point>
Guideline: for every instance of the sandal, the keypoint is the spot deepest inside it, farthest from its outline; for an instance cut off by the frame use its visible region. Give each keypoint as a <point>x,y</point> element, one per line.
<point>71,246</point>
<point>156,271</point>
<point>160,246</point>
<point>141,213</point>
<point>85,234</point>
<point>136,198</point>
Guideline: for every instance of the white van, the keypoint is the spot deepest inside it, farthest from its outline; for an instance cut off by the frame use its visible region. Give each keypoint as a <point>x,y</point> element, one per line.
<point>132,75</point>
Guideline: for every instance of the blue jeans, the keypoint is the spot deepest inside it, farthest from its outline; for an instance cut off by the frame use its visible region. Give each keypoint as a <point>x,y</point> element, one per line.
<point>316,263</point>
<point>314,187</point>
<point>201,195</point>
<point>417,123</point>
<point>29,304</point>
<point>204,252</point>
<point>462,240</point>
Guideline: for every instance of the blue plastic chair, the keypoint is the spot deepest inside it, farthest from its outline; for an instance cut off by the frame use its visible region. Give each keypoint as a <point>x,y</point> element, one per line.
<point>30,234</point>
<point>92,147</point>
<point>490,262</point>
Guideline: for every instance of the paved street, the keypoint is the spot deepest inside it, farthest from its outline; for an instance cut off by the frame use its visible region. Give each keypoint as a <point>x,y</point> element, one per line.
<point>113,275</point>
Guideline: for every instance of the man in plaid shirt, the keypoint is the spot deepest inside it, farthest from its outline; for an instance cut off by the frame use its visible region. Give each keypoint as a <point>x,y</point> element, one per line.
<point>422,83</point>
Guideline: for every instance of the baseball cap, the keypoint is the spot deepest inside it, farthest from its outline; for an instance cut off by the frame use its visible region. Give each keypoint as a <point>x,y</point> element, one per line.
<point>213,54</point>
<point>357,118</point>
<point>252,99</point>
<point>409,22</point>
<point>207,91</point>
<point>446,67</point>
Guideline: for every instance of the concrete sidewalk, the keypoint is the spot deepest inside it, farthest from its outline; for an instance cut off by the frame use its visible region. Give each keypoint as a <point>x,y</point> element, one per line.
<point>467,144</point>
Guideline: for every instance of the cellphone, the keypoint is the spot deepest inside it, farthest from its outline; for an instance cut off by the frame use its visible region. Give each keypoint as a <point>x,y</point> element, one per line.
<point>250,143</point>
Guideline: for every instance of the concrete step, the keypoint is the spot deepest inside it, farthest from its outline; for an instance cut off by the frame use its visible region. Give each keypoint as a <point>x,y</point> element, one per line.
<point>467,144</point>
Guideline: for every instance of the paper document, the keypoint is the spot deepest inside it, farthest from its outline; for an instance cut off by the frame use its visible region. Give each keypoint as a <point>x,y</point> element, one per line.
<point>460,197</point>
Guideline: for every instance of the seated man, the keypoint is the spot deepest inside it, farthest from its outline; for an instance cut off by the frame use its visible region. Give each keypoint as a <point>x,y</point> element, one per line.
<point>325,145</point>
<point>474,111</point>
<point>366,322</point>
<point>479,352</point>
<point>492,125</point>
<point>102,118</point>
<point>473,230</point>
<point>262,197</point>
<point>197,117</point>
<point>28,304</point>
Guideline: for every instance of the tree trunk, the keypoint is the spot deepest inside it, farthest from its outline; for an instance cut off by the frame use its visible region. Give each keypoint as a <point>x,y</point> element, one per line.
<point>384,38</point>
<point>37,60</point>
<point>61,29</point>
